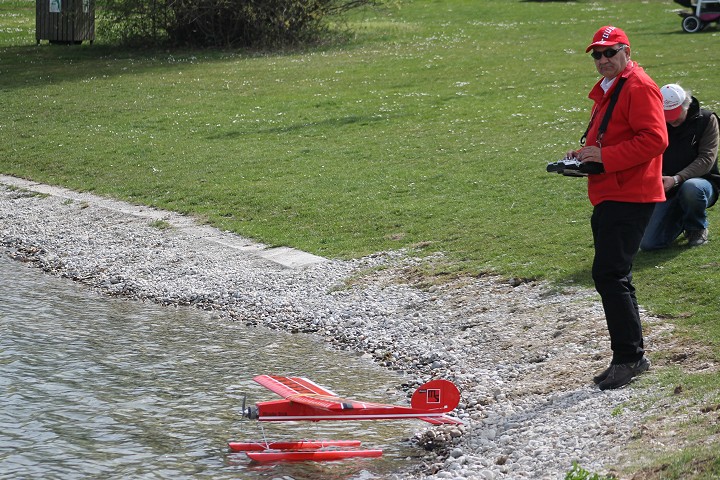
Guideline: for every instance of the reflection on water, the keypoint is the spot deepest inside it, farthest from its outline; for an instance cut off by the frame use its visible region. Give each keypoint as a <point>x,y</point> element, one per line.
<point>94,387</point>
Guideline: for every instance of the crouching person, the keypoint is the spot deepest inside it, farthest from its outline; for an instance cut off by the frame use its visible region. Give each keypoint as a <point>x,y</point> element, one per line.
<point>690,172</point>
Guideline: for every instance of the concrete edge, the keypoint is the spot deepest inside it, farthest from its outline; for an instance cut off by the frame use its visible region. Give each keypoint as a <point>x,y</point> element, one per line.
<point>284,256</point>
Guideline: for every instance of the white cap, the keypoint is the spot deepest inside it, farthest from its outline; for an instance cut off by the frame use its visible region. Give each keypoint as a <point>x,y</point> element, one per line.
<point>673,98</point>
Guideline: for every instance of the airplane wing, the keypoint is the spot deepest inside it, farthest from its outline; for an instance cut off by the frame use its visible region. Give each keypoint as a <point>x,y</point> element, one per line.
<point>287,386</point>
<point>304,391</point>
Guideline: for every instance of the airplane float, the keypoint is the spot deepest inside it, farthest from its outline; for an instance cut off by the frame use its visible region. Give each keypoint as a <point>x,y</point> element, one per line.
<point>304,400</point>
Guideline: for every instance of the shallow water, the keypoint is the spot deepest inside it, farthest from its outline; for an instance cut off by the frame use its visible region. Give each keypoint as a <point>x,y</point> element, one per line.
<point>97,387</point>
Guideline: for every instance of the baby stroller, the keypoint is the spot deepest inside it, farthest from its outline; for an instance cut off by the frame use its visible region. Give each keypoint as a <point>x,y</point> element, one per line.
<point>703,12</point>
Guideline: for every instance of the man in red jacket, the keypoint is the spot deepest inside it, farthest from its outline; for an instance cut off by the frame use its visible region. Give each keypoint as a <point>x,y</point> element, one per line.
<point>629,147</point>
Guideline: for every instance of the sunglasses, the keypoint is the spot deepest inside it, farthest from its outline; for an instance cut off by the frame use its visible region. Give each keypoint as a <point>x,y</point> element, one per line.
<point>609,53</point>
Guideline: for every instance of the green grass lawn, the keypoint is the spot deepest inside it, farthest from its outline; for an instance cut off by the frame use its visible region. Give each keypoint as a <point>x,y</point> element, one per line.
<point>430,129</point>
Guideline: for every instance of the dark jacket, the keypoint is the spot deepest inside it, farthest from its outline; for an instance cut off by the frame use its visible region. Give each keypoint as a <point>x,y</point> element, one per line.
<point>693,148</point>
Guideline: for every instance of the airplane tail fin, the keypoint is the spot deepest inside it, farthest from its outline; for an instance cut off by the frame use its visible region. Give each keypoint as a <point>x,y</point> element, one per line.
<point>437,396</point>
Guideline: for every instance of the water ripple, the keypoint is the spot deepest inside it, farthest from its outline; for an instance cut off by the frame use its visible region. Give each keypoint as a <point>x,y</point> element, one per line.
<point>93,387</point>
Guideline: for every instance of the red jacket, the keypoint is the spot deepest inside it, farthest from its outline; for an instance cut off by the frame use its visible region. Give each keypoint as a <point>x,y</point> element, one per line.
<point>634,142</point>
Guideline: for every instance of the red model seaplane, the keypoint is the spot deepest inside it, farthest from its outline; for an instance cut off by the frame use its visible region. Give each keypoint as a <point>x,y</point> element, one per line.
<point>304,399</point>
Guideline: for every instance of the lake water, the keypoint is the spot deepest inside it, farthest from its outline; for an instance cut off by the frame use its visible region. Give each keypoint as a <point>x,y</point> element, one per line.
<point>98,387</point>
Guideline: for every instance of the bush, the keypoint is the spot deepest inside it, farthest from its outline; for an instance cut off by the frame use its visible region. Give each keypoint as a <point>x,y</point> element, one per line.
<point>220,23</point>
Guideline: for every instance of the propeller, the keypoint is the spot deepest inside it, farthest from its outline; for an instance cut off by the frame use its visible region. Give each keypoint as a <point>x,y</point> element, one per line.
<point>249,412</point>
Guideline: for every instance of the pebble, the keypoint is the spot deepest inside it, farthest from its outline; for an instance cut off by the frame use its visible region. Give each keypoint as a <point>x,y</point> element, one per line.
<point>527,398</point>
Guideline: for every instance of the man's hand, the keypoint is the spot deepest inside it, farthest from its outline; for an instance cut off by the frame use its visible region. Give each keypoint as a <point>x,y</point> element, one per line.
<point>589,154</point>
<point>668,183</point>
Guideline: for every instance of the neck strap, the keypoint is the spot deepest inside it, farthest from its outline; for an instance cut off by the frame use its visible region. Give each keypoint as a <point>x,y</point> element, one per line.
<point>608,114</point>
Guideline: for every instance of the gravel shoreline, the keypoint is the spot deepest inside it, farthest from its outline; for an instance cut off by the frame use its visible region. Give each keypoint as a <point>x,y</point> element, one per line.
<point>522,353</point>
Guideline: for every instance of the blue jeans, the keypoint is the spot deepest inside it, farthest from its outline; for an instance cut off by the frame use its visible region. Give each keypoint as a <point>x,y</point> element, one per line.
<point>683,211</point>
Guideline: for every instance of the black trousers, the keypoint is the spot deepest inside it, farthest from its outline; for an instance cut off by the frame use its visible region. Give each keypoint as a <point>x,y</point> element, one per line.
<point>618,228</point>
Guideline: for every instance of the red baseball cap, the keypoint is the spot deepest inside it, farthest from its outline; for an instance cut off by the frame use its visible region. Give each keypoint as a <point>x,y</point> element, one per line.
<point>607,36</point>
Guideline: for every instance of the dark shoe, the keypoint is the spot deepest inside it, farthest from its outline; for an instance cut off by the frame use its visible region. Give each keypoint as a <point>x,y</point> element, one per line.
<point>602,375</point>
<point>621,374</point>
<point>696,237</point>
